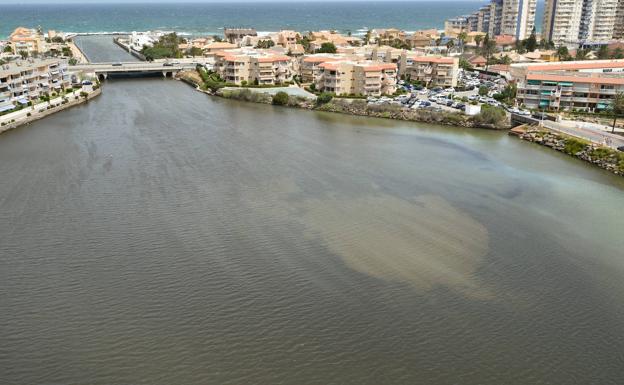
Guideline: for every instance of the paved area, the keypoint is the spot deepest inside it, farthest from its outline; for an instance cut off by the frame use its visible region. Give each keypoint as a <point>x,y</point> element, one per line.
<point>593,135</point>
<point>292,90</point>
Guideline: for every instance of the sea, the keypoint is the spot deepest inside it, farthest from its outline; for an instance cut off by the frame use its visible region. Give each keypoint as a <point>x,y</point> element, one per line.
<point>209,18</point>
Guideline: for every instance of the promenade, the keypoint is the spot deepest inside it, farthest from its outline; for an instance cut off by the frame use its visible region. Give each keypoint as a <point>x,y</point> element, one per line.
<point>43,109</point>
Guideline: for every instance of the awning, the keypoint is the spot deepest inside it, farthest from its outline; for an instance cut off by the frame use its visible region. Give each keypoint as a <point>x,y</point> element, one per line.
<point>7,107</point>
<point>22,101</point>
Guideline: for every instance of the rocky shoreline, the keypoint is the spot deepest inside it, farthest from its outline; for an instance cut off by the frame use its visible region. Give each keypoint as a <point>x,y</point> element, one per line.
<point>603,157</point>
<point>357,107</point>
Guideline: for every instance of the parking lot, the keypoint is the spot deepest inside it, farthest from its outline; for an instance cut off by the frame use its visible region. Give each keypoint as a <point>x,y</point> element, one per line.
<point>450,99</point>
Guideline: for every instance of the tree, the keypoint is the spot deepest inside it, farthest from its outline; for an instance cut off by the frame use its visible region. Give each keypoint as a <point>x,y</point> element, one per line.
<point>280,98</point>
<point>73,61</point>
<point>23,54</point>
<point>562,53</point>
<point>305,43</point>
<point>465,64</point>
<point>8,49</point>
<point>483,90</point>
<point>462,37</point>
<point>477,40</point>
<point>450,44</point>
<point>581,54</point>
<point>617,53</point>
<point>603,52</point>
<point>367,37</point>
<point>196,51</point>
<point>324,98</point>
<point>327,48</point>
<point>617,107</point>
<point>268,43</point>
<point>489,46</point>
<point>531,42</point>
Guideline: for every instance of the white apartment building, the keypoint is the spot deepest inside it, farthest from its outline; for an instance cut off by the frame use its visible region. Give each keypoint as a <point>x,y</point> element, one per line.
<point>618,27</point>
<point>23,81</point>
<point>570,22</point>
<point>518,18</point>
<point>501,17</point>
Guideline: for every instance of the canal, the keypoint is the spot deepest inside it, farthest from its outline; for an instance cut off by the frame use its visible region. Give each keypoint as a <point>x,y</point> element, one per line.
<point>158,235</point>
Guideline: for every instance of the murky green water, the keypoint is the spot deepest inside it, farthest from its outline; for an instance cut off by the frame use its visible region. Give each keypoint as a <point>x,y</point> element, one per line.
<point>156,235</point>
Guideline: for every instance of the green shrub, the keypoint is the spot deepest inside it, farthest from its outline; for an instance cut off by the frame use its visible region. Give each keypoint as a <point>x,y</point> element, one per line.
<point>574,145</point>
<point>491,115</point>
<point>280,98</point>
<point>324,97</point>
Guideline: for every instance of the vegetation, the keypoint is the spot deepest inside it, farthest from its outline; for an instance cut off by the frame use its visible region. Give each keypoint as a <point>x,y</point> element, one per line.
<point>491,115</point>
<point>166,47</point>
<point>268,43</point>
<point>280,98</point>
<point>305,42</point>
<point>616,108</point>
<point>574,145</point>
<point>195,51</point>
<point>488,48</point>
<point>327,48</point>
<point>563,53</point>
<point>324,98</point>
<point>212,81</point>
<point>465,64</point>
<point>483,90</point>
<point>8,49</point>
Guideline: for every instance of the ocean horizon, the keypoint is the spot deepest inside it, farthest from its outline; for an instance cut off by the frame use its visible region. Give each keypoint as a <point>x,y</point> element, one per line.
<point>209,18</point>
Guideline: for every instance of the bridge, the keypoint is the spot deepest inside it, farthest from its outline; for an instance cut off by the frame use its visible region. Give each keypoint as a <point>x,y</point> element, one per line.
<point>104,69</point>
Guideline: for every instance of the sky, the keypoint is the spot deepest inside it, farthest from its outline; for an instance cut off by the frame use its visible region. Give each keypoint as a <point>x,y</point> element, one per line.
<point>188,1</point>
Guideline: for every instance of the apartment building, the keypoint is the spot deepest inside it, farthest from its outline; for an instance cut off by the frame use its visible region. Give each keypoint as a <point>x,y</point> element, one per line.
<point>499,17</point>
<point>254,66</point>
<point>518,18</point>
<point>235,35</point>
<point>358,78</point>
<point>618,27</point>
<point>27,40</point>
<point>23,81</point>
<point>433,71</point>
<point>423,38</point>
<point>582,85</point>
<point>570,22</point>
<point>310,66</point>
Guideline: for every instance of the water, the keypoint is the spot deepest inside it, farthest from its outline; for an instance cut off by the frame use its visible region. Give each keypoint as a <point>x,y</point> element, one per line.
<point>210,18</point>
<point>158,235</point>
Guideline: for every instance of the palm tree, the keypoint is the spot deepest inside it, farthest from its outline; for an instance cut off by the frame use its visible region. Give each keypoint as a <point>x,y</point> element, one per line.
<point>462,40</point>
<point>477,40</point>
<point>450,44</point>
<point>562,52</point>
<point>617,107</point>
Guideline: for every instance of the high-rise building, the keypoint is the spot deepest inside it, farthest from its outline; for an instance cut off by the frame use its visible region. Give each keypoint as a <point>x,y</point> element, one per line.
<point>569,22</point>
<point>518,18</point>
<point>618,27</point>
<point>502,17</point>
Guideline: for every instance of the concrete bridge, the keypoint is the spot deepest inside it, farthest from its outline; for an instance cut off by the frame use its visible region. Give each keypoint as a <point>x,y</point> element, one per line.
<point>102,70</point>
